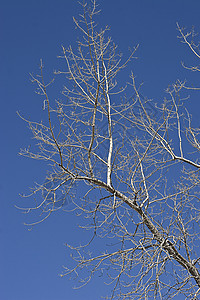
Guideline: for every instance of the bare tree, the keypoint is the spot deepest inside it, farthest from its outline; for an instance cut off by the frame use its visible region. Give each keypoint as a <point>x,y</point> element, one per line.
<point>140,182</point>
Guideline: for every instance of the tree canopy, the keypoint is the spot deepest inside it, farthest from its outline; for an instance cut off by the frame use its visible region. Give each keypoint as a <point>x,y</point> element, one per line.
<point>131,158</point>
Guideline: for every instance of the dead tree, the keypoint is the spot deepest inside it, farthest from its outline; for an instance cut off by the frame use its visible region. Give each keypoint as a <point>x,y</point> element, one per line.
<point>140,182</point>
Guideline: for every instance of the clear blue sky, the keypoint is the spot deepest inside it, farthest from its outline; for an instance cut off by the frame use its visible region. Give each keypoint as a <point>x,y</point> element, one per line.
<point>30,30</point>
